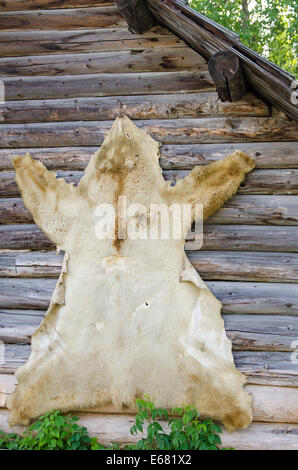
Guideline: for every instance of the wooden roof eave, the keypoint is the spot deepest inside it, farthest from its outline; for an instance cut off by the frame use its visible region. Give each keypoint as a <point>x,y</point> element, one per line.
<point>208,37</point>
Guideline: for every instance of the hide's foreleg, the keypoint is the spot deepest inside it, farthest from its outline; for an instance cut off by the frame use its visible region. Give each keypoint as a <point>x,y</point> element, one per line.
<point>213,184</point>
<point>47,198</point>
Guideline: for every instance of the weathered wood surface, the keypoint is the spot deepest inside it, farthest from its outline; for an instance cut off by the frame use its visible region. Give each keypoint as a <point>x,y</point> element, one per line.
<point>31,88</point>
<point>270,404</point>
<point>26,293</point>
<point>15,5</point>
<point>215,237</point>
<point>115,428</point>
<point>247,332</point>
<point>18,326</point>
<point>167,131</point>
<point>139,60</point>
<point>171,106</point>
<point>94,17</point>
<point>247,238</point>
<point>241,209</point>
<point>236,297</point>
<point>179,157</point>
<point>208,37</point>
<point>257,182</point>
<point>246,266</point>
<point>22,43</point>
<point>259,332</point>
<point>256,298</point>
<point>259,366</point>
<point>226,71</point>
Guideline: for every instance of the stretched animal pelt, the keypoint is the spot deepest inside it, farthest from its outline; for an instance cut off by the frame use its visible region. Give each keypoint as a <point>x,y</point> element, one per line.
<point>129,315</point>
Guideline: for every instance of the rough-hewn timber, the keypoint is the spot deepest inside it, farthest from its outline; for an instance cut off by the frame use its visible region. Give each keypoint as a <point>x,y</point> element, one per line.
<point>23,43</point>
<point>145,83</point>
<point>258,182</point>
<point>267,155</point>
<point>242,209</point>
<point>146,60</point>
<point>167,131</point>
<point>215,237</point>
<point>247,332</point>
<point>97,17</point>
<point>171,106</point>
<point>237,297</point>
<point>15,5</point>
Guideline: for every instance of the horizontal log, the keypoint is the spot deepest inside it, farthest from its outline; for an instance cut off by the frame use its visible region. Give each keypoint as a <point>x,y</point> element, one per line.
<point>217,265</point>
<point>73,86</point>
<point>179,157</point>
<point>268,367</point>
<point>236,297</point>
<point>258,332</point>
<point>116,428</point>
<point>167,131</point>
<point>95,17</point>
<point>254,210</point>
<point>31,264</point>
<point>270,404</point>
<point>266,154</point>
<point>257,210</point>
<point>246,266</point>
<point>142,60</point>
<point>215,238</point>
<point>18,326</point>
<point>261,436</point>
<point>247,237</point>
<point>26,294</point>
<point>257,182</point>
<point>15,5</point>
<point>265,366</point>
<point>170,106</point>
<point>22,43</point>
<point>247,332</point>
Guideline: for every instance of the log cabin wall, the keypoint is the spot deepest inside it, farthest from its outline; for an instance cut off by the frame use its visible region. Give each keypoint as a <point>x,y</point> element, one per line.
<point>69,69</point>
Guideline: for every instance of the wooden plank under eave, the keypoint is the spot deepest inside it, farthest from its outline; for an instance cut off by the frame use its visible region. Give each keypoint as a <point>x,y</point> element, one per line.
<point>167,131</point>
<point>94,17</point>
<point>238,297</point>
<point>267,155</point>
<point>23,43</point>
<point>241,209</point>
<point>167,106</point>
<point>139,60</point>
<point>73,86</point>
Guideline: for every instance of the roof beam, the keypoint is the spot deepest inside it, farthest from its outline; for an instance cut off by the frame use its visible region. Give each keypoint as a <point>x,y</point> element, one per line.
<point>208,37</point>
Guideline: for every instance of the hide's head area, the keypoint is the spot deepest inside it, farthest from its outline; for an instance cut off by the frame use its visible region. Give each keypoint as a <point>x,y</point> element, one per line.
<point>131,318</point>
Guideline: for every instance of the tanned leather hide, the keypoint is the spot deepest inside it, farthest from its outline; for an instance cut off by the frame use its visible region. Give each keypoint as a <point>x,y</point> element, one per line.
<point>128,317</point>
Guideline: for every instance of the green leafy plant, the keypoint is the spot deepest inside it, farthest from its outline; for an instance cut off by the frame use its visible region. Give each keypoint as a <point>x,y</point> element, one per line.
<point>53,431</point>
<point>269,27</point>
<point>184,431</point>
